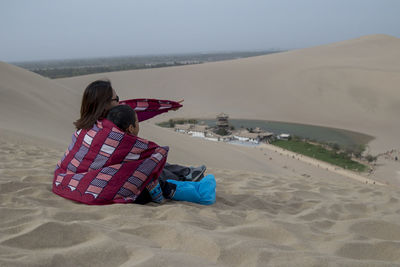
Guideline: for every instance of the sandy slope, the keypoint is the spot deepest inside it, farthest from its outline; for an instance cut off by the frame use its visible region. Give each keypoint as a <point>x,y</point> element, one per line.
<point>36,106</point>
<point>260,219</point>
<point>352,85</point>
<point>271,209</point>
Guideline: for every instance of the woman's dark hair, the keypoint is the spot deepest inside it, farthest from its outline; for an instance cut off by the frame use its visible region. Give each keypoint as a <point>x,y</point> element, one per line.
<point>122,116</point>
<point>96,101</point>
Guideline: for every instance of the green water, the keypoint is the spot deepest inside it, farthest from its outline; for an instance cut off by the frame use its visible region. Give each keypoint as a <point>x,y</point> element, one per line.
<point>318,133</point>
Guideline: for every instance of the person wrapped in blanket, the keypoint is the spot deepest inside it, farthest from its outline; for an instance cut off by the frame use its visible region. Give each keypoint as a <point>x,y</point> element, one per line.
<point>107,163</point>
<point>200,191</point>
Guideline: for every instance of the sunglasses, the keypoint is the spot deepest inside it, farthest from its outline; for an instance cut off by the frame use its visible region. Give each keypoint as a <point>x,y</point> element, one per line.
<point>115,99</point>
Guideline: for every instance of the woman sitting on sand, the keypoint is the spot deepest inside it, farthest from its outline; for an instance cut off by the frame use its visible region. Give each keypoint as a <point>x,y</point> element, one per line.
<point>99,97</point>
<point>104,165</point>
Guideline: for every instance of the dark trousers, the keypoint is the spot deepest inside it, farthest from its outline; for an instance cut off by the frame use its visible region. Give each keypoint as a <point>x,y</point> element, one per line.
<point>170,172</point>
<point>174,172</point>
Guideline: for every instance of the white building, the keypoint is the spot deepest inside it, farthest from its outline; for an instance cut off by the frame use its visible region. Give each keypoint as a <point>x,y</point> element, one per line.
<point>198,131</point>
<point>182,128</point>
<point>284,136</point>
<point>256,137</point>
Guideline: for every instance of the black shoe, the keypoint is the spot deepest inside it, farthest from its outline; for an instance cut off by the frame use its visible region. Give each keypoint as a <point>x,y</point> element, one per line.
<point>196,174</point>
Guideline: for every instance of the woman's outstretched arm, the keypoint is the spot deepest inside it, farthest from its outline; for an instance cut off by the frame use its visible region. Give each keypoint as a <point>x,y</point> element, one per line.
<point>149,108</point>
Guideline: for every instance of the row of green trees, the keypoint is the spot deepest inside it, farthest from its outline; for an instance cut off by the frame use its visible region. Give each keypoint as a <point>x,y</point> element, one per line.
<point>348,152</point>
<point>172,122</point>
<point>70,72</point>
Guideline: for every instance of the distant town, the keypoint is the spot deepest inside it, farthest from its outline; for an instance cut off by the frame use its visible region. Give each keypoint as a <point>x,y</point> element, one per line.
<point>350,157</point>
<point>224,132</point>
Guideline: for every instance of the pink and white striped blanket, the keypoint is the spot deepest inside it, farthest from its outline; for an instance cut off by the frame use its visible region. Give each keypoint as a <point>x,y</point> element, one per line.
<point>104,165</point>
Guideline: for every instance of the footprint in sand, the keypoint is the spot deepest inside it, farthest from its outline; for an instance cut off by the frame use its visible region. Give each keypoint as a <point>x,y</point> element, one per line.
<point>77,216</point>
<point>377,229</point>
<point>383,251</point>
<point>323,224</point>
<point>52,235</point>
<point>102,253</point>
<point>179,239</point>
<point>12,186</point>
<point>300,186</point>
<point>267,231</point>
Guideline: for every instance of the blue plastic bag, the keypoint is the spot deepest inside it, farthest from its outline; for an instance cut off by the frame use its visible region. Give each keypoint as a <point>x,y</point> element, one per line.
<point>202,192</point>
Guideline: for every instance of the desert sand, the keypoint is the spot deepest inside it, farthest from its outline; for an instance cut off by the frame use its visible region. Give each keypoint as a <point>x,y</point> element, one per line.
<point>272,209</point>
<point>352,85</point>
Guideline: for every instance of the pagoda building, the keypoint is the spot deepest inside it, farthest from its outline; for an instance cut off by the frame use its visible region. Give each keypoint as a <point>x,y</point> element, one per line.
<point>222,121</point>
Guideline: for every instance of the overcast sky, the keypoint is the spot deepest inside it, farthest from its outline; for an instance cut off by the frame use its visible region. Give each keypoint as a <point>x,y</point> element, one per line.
<point>58,29</point>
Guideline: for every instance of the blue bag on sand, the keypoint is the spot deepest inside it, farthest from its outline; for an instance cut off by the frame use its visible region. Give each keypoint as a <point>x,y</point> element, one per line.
<point>202,192</point>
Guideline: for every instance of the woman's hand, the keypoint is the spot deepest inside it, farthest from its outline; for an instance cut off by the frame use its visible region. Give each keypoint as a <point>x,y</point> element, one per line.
<point>180,101</point>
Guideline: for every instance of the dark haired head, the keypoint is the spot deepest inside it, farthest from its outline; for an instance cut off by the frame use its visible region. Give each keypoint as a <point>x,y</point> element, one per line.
<point>96,101</point>
<point>123,116</point>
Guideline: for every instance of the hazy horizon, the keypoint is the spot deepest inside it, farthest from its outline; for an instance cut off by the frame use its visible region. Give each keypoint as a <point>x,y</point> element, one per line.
<point>148,55</point>
<point>57,30</point>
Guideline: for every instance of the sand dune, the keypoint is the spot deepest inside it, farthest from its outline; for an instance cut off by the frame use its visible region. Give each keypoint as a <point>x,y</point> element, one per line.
<point>351,85</point>
<point>36,106</point>
<point>272,209</point>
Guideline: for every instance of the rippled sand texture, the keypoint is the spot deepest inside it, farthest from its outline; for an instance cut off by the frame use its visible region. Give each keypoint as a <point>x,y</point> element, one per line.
<point>258,219</point>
